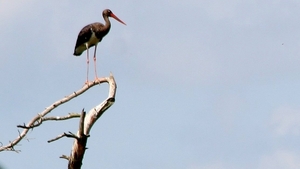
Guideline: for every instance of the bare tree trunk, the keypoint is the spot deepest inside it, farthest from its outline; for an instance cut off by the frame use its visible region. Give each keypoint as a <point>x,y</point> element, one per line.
<point>86,123</point>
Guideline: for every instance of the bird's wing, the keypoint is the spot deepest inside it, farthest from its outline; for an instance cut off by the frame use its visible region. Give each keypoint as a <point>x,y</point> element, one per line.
<point>84,35</point>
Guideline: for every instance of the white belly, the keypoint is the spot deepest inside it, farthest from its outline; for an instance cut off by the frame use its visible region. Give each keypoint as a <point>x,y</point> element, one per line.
<point>93,40</point>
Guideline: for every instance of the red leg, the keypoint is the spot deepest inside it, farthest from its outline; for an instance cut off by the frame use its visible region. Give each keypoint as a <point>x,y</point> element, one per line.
<point>95,66</point>
<point>87,62</point>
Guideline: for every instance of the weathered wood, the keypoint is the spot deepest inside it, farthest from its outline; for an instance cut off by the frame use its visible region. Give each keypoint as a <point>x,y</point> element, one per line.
<point>40,117</point>
<point>86,123</point>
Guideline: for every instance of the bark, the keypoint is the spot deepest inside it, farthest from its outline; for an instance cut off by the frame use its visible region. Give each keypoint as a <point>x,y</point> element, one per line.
<point>85,125</point>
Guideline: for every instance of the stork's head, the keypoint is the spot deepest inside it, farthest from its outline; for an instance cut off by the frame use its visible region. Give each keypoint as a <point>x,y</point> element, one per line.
<point>108,13</point>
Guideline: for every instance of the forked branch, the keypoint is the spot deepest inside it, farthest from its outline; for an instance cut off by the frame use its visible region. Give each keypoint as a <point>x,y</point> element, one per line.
<point>40,117</point>
<point>85,125</point>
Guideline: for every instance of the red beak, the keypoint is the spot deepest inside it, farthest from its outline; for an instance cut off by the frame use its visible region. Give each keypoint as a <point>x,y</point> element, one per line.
<point>115,17</point>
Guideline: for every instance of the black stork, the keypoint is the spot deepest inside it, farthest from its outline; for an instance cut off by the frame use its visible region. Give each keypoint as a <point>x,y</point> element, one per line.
<point>91,35</point>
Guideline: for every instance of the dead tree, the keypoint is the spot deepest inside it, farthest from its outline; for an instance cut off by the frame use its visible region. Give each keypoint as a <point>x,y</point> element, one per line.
<point>87,120</point>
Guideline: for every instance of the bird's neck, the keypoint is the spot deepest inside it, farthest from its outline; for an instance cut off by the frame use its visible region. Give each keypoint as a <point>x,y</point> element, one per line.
<point>107,23</point>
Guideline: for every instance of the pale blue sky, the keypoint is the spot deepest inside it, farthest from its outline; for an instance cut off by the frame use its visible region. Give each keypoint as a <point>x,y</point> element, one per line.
<point>201,84</point>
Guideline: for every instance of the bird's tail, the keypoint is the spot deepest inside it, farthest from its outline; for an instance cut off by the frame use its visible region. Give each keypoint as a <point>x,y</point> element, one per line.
<point>77,53</point>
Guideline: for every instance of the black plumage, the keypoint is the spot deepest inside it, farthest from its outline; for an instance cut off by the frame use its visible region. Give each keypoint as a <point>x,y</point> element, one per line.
<point>91,35</point>
<point>86,36</point>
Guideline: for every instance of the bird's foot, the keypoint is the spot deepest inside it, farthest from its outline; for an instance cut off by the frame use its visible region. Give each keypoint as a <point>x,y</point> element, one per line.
<point>97,79</point>
<point>87,82</point>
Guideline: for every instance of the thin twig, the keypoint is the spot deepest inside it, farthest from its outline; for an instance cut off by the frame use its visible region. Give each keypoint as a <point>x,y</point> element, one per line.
<point>65,157</point>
